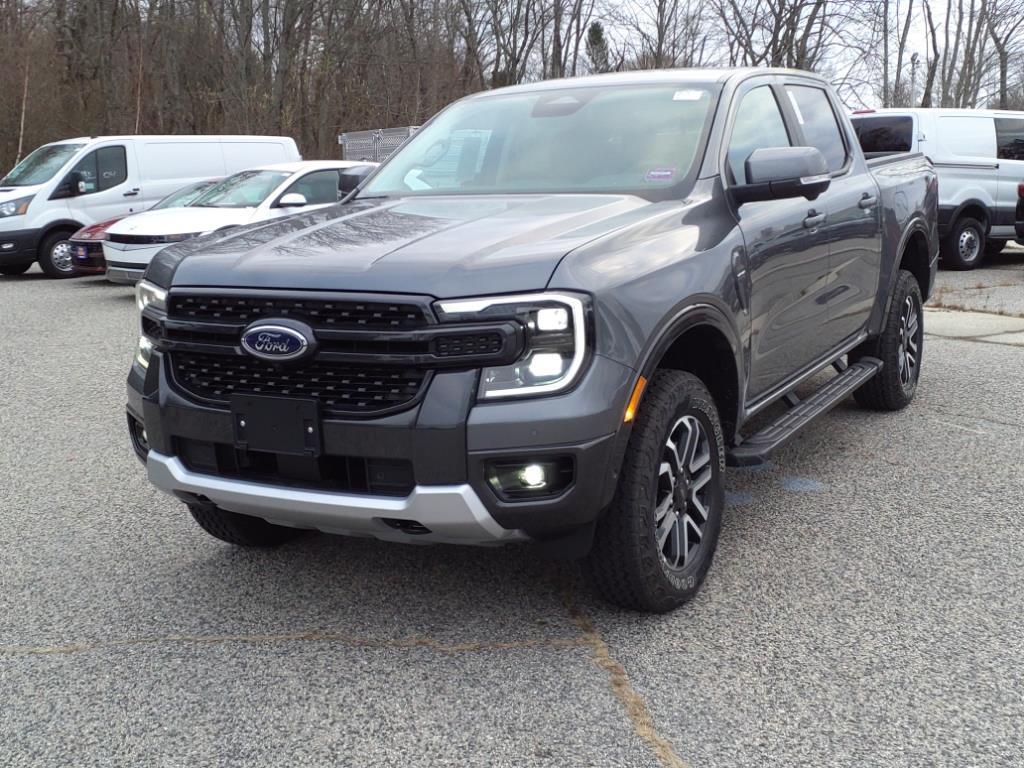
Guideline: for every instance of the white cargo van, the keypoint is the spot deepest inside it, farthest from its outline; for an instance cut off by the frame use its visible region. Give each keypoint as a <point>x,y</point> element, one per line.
<point>979,157</point>
<point>64,186</point>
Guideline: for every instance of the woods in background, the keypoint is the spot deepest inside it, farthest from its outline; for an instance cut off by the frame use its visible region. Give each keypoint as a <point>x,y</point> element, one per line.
<point>312,68</point>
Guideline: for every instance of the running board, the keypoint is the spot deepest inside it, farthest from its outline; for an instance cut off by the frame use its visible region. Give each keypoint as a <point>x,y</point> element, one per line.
<point>757,447</point>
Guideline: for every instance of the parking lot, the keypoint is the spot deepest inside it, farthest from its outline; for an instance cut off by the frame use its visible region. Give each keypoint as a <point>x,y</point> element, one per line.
<point>866,606</point>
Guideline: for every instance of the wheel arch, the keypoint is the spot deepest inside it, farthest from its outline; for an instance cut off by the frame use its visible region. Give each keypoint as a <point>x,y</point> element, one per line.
<point>60,225</point>
<point>701,341</point>
<point>974,208</point>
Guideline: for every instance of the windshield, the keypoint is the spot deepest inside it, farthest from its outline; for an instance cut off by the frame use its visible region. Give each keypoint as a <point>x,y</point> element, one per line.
<point>40,166</point>
<point>185,195</point>
<point>246,189</point>
<point>642,140</point>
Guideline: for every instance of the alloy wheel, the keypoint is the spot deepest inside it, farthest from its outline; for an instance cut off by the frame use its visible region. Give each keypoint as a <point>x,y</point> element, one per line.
<point>908,352</point>
<point>684,487</point>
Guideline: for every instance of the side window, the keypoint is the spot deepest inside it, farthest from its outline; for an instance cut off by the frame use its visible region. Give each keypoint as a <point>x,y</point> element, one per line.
<point>317,187</point>
<point>1010,138</point>
<point>884,133</point>
<point>112,166</point>
<point>102,169</point>
<point>758,125</point>
<point>818,121</point>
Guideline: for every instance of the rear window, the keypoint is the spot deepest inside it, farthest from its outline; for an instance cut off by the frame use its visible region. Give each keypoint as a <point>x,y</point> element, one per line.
<point>1010,138</point>
<point>884,133</point>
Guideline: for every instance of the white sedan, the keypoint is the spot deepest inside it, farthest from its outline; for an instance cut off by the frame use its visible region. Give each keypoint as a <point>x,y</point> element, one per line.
<point>246,197</point>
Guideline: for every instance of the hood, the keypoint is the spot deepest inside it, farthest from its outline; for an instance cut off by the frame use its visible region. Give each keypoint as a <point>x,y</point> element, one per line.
<point>8,192</point>
<point>441,246</point>
<point>181,221</point>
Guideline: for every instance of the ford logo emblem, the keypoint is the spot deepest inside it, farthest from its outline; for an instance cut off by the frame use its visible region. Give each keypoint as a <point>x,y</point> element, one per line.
<point>274,342</point>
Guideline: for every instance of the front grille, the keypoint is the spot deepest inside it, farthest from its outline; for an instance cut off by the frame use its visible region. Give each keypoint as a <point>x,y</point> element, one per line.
<point>319,313</point>
<point>341,388</point>
<point>344,474</point>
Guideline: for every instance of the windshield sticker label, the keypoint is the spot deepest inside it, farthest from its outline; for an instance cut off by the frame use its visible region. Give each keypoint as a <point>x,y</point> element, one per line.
<point>660,174</point>
<point>687,95</point>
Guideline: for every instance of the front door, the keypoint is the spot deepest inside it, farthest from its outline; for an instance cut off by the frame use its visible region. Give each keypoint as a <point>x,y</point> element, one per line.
<point>106,191</point>
<point>787,253</point>
<point>1010,154</point>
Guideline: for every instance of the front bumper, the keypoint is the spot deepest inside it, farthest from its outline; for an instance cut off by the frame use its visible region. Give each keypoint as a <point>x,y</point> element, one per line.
<point>87,257</point>
<point>447,440</point>
<point>454,514</point>
<point>124,274</point>
<point>18,246</point>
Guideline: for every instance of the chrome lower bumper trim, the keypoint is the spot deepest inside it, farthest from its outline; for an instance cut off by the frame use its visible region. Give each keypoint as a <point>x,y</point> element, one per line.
<point>454,514</point>
<point>123,275</point>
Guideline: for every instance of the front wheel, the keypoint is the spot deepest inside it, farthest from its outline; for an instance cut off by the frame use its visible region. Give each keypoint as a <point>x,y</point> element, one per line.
<point>653,547</point>
<point>899,347</point>
<point>55,255</point>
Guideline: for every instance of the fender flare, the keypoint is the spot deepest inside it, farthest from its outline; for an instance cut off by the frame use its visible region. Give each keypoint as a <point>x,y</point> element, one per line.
<point>918,224</point>
<point>971,203</point>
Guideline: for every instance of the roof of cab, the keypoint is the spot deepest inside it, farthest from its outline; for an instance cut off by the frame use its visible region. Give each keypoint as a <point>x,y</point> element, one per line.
<point>653,77</point>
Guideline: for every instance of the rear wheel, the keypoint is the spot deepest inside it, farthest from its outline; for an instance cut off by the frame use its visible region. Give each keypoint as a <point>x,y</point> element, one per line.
<point>240,530</point>
<point>654,546</point>
<point>55,255</point>
<point>14,269</point>
<point>964,246</point>
<point>899,347</point>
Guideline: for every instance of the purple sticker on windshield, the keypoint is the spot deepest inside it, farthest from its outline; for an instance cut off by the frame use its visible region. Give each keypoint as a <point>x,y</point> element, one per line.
<point>660,174</point>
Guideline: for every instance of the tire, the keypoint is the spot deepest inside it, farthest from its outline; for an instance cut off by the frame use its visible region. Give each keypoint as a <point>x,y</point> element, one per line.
<point>55,255</point>
<point>626,565</point>
<point>994,247</point>
<point>899,347</point>
<point>14,269</point>
<point>964,246</point>
<point>240,530</point>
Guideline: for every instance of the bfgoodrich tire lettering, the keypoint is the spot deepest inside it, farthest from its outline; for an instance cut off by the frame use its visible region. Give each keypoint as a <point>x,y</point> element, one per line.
<point>634,562</point>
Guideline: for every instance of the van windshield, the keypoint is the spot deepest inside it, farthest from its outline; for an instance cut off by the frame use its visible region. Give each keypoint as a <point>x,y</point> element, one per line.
<point>643,140</point>
<point>245,189</point>
<point>40,166</point>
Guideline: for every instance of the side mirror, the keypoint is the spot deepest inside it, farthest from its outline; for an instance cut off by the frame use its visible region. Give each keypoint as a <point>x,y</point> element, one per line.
<point>72,185</point>
<point>292,200</point>
<point>353,177</point>
<point>779,173</point>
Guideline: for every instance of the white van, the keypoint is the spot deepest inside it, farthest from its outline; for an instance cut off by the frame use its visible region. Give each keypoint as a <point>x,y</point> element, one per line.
<point>64,186</point>
<point>979,157</point>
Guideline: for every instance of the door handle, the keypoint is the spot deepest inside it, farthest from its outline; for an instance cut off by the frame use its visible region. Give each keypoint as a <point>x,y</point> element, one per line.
<point>868,201</point>
<point>813,219</point>
<point>132,193</point>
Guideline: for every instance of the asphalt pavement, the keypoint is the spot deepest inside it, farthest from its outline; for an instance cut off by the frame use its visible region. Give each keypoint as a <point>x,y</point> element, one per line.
<point>866,606</point>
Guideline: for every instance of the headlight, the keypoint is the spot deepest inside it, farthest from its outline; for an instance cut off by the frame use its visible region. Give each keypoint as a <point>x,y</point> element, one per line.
<point>144,352</point>
<point>15,207</point>
<point>149,295</point>
<point>556,340</point>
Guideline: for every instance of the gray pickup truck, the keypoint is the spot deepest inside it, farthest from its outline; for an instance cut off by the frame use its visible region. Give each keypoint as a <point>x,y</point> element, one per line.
<point>549,317</point>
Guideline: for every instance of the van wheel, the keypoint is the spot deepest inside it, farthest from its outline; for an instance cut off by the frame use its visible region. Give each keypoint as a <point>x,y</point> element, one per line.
<point>14,269</point>
<point>55,255</point>
<point>654,545</point>
<point>964,246</point>
<point>993,246</point>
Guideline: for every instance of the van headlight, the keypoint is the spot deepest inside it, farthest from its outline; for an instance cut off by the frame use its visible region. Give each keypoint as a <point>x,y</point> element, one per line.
<point>556,340</point>
<point>15,207</point>
<point>149,295</point>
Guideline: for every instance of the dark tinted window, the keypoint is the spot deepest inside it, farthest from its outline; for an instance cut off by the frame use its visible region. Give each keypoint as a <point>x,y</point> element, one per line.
<point>102,169</point>
<point>317,187</point>
<point>758,125</point>
<point>884,133</point>
<point>1010,138</point>
<point>112,166</point>
<point>818,122</point>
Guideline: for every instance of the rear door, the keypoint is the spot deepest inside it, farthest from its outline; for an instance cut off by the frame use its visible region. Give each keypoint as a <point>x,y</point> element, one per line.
<point>1010,153</point>
<point>787,254</point>
<point>853,231</point>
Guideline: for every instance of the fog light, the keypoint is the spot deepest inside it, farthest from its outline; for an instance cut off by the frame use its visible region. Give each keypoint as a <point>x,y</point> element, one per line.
<point>521,480</point>
<point>532,476</point>
<point>144,352</point>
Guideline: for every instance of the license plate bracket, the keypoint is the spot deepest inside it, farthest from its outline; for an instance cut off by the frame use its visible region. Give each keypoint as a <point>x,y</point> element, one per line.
<point>288,425</point>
